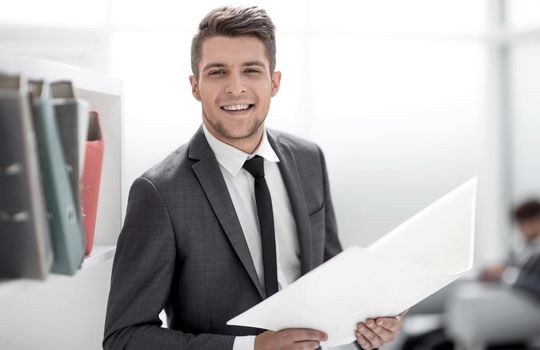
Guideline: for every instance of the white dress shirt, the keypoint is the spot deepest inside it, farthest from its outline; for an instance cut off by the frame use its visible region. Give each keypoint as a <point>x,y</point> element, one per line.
<point>240,184</point>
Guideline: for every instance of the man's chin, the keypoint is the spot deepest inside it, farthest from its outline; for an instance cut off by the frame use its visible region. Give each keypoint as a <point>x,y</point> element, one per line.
<point>236,134</point>
<point>235,137</point>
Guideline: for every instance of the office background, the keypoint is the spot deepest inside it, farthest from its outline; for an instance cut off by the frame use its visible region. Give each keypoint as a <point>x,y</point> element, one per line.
<point>408,99</point>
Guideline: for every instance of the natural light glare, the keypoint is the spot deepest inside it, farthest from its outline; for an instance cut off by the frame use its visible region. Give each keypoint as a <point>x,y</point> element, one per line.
<point>524,14</point>
<point>288,110</point>
<point>405,112</point>
<point>174,14</point>
<point>399,17</point>
<point>159,112</point>
<point>76,13</point>
<point>526,121</point>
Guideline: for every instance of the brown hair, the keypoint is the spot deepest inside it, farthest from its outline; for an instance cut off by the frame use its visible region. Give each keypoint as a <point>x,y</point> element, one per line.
<point>526,211</point>
<point>234,22</point>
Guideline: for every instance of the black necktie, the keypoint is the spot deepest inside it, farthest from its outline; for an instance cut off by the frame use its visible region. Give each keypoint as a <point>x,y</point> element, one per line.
<point>255,166</point>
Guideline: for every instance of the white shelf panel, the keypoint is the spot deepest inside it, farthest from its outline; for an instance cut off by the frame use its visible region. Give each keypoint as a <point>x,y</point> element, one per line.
<point>99,255</point>
<point>37,68</point>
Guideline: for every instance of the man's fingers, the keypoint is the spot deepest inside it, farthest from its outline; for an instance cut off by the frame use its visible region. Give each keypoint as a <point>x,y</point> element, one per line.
<point>291,339</point>
<point>304,345</point>
<point>392,324</point>
<point>364,343</point>
<point>375,333</point>
<point>293,335</point>
<point>383,333</point>
<point>365,330</point>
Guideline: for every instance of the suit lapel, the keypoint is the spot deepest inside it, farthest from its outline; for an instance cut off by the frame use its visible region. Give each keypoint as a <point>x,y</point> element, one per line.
<point>291,177</point>
<point>209,175</point>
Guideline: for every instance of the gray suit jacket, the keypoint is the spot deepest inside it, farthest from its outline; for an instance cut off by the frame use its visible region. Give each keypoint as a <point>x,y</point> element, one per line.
<point>182,248</point>
<point>529,276</point>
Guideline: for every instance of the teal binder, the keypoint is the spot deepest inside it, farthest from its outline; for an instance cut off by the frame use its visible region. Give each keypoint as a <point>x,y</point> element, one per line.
<point>72,119</point>
<point>25,250</point>
<point>65,226</point>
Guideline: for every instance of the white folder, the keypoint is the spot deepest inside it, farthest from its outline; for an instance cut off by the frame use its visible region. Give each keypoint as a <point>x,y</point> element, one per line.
<point>418,258</point>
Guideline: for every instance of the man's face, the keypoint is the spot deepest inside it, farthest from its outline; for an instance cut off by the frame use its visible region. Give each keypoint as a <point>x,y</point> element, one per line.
<point>234,87</point>
<point>530,228</point>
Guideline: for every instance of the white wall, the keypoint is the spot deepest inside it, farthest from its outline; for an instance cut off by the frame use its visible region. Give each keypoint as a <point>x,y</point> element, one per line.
<point>397,93</point>
<point>525,130</point>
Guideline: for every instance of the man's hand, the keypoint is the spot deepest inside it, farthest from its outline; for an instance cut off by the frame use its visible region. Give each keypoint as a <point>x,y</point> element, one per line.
<point>374,333</point>
<point>492,273</point>
<point>290,339</point>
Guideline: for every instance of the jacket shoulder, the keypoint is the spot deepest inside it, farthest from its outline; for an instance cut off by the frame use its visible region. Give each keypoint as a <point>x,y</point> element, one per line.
<point>295,143</point>
<point>170,167</point>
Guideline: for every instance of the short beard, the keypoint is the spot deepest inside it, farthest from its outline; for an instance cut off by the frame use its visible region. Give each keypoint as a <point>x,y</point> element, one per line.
<point>221,130</point>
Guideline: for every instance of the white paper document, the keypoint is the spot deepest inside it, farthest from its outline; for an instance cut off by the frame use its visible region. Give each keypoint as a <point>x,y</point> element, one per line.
<point>416,259</point>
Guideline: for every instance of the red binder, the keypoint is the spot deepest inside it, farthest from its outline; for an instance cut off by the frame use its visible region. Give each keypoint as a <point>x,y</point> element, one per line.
<point>91,177</point>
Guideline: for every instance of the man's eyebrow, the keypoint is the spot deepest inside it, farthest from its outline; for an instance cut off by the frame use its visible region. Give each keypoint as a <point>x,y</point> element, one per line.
<point>245,64</point>
<point>254,63</point>
<point>213,65</point>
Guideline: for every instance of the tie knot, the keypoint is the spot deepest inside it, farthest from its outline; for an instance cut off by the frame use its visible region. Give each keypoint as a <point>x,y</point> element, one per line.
<point>255,166</point>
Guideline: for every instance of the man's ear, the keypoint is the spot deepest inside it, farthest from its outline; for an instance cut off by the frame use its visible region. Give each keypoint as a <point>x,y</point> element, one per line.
<point>276,79</point>
<point>194,87</point>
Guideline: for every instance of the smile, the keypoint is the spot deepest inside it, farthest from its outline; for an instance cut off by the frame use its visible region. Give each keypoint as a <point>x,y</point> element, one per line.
<point>238,107</point>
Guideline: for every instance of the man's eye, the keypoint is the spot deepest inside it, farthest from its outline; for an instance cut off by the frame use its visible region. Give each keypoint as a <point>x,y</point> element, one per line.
<point>252,70</point>
<point>217,72</point>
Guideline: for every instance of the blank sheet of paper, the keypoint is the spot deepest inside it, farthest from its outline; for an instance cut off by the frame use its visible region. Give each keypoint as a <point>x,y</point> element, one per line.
<point>413,261</point>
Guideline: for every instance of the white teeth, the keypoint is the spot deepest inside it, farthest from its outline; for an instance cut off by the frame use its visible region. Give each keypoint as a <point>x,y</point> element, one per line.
<point>235,107</point>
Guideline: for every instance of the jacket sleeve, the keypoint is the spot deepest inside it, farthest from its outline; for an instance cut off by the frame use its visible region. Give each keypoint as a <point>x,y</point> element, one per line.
<point>143,269</point>
<point>528,279</point>
<point>332,245</point>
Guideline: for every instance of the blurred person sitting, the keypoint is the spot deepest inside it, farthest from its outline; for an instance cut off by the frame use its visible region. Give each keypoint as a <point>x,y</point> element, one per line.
<point>473,312</point>
<point>524,250</point>
<point>464,300</point>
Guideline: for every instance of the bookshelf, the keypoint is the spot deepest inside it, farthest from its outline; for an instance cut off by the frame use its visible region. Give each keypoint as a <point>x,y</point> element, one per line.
<point>67,312</point>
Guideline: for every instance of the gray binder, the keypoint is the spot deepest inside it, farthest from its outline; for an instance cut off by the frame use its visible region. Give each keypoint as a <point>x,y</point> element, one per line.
<point>24,234</point>
<point>66,230</point>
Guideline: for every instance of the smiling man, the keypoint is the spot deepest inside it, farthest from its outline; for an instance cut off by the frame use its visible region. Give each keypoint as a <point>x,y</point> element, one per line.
<point>234,85</point>
<point>231,217</point>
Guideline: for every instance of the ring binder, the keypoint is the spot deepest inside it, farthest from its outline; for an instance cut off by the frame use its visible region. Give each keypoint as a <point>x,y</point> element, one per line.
<point>24,240</point>
<point>65,225</point>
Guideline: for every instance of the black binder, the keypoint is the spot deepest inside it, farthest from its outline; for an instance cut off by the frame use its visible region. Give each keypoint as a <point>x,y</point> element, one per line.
<point>24,235</point>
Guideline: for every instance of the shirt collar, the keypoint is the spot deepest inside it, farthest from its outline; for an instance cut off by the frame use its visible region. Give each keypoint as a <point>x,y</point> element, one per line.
<point>231,158</point>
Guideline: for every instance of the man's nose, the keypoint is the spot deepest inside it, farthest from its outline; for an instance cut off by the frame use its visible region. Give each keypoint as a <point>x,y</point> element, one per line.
<point>235,85</point>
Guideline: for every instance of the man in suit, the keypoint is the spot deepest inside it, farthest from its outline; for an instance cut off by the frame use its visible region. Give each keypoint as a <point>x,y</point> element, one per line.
<point>229,218</point>
<point>525,247</point>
